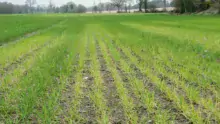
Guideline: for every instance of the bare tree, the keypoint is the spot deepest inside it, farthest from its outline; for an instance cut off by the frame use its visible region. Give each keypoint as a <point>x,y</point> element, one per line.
<point>30,4</point>
<point>152,7</point>
<point>140,3</point>
<point>145,5</point>
<point>81,9</point>
<point>100,6</point>
<point>126,7</point>
<point>95,9</point>
<point>108,6</point>
<point>184,6</point>
<point>219,6</point>
<point>165,5</point>
<point>72,7</point>
<point>129,2</point>
<point>118,3</point>
<point>51,6</point>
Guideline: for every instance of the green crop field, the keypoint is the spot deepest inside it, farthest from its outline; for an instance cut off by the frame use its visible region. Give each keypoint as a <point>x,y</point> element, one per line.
<point>110,69</point>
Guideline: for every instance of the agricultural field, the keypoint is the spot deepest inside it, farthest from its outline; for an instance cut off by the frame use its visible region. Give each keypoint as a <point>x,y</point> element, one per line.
<point>108,69</point>
<point>24,26</point>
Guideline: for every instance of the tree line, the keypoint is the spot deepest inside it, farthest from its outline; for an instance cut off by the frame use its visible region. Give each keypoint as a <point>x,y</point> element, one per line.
<point>189,6</point>
<point>127,5</point>
<point>181,6</point>
<point>30,6</point>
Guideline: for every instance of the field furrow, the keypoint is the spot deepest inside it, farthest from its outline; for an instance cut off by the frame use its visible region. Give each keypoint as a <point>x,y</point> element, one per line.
<point>191,95</point>
<point>67,92</point>
<point>161,110</point>
<point>75,114</point>
<point>175,96</point>
<point>87,106</point>
<point>30,34</point>
<point>15,54</point>
<point>22,59</point>
<point>126,100</point>
<point>111,95</point>
<point>98,89</point>
<point>20,69</point>
<point>109,69</point>
<point>20,98</point>
<point>209,93</point>
<point>124,72</point>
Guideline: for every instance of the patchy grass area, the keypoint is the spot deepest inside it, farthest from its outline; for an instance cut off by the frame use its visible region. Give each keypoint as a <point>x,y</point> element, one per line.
<point>24,26</point>
<point>111,69</point>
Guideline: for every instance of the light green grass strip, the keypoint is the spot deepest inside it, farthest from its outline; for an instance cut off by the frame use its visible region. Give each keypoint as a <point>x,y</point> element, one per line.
<point>74,110</point>
<point>15,51</point>
<point>127,102</point>
<point>97,96</point>
<point>188,109</point>
<point>141,92</point>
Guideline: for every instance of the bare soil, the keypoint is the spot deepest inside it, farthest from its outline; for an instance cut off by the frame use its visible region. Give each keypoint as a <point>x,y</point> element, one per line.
<point>140,108</point>
<point>67,94</point>
<point>87,108</point>
<point>113,101</point>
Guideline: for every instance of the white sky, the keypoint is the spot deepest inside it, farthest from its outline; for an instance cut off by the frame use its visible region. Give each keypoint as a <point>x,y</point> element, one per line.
<point>57,2</point>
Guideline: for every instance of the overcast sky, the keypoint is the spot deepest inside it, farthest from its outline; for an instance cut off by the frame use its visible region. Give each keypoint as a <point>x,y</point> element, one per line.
<point>57,2</point>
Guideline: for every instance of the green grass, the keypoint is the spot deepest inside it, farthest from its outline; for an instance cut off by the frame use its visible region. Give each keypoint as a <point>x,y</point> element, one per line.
<point>17,25</point>
<point>128,68</point>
